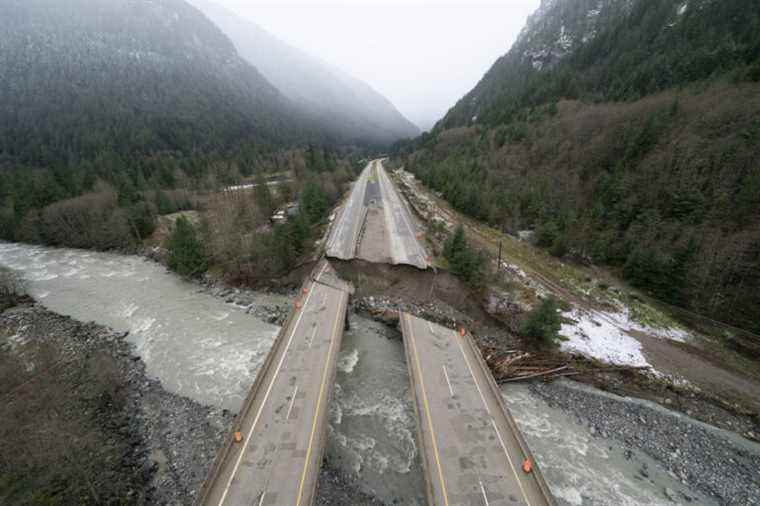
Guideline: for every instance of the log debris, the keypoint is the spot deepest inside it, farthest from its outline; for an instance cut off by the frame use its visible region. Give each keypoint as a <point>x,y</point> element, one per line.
<point>516,365</point>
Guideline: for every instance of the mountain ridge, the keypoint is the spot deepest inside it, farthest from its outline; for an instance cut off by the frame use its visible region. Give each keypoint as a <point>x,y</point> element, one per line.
<point>625,134</point>
<point>131,77</point>
<point>601,50</point>
<point>350,108</point>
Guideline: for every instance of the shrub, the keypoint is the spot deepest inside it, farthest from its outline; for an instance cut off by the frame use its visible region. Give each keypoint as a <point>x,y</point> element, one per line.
<point>92,220</point>
<point>12,289</point>
<point>543,322</point>
<point>547,234</point>
<point>187,255</point>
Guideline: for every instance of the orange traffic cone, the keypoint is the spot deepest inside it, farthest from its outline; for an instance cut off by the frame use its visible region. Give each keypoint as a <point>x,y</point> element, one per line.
<point>527,466</point>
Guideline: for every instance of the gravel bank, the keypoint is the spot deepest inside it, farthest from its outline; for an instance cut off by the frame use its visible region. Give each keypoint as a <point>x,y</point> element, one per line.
<point>712,461</point>
<point>143,444</point>
<point>154,447</point>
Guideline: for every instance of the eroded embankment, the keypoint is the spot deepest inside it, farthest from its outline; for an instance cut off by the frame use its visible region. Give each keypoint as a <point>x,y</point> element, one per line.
<point>651,454</point>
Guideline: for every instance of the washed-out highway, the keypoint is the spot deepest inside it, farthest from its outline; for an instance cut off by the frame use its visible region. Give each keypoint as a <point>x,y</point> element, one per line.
<point>472,451</point>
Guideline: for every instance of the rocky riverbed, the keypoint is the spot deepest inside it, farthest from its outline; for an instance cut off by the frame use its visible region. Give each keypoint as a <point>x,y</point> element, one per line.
<point>270,307</point>
<point>143,444</point>
<point>717,463</point>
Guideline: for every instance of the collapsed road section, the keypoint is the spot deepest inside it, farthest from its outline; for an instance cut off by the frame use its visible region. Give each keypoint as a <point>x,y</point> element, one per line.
<point>375,215</point>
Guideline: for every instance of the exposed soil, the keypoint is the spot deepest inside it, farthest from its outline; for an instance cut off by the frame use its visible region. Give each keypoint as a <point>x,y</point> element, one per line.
<point>382,290</point>
<point>725,395</point>
<point>414,286</point>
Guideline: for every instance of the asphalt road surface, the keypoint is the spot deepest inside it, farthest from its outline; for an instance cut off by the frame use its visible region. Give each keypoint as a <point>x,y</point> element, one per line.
<point>471,448</point>
<point>282,427</point>
<point>399,233</point>
<point>344,236</point>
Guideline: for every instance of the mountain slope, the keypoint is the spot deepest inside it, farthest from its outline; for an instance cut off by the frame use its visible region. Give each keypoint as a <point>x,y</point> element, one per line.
<point>625,133</point>
<point>83,77</point>
<point>603,50</point>
<point>348,107</point>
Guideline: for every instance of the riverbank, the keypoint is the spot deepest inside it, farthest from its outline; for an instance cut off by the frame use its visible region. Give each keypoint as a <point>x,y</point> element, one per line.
<point>655,453</point>
<point>269,305</point>
<point>699,457</point>
<point>82,417</point>
<point>83,423</point>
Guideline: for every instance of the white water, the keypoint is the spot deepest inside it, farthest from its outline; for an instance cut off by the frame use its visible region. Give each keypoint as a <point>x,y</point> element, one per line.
<point>201,347</point>
<point>372,419</point>
<point>194,343</point>
<point>582,469</point>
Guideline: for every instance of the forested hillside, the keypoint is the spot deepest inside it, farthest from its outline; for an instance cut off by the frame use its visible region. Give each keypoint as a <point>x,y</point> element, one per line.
<point>607,50</point>
<point>350,109</point>
<point>121,97</point>
<point>626,133</point>
<point>81,78</point>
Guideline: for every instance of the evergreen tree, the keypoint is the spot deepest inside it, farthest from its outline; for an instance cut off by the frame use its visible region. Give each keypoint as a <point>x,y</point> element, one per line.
<point>543,322</point>
<point>463,260</point>
<point>187,255</point>
<point>263,196</point>
<point>314,201</point>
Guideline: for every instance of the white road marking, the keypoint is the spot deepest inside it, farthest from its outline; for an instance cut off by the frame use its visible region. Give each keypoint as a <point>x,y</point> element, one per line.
<point>340,228</point>
<point>406,219</point>
<point>477,385</point>
<point>266,396</point>
<point>483,490</point>
<point>506,453</point>
<point>319,398</point>
<point>446,374</point>
<point>292,401</point>
<point>493,423</point>
<point>261,501</point>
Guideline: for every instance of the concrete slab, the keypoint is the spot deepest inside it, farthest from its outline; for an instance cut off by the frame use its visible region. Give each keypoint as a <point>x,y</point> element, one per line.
<point>472,450</point>
<point>282,426</point>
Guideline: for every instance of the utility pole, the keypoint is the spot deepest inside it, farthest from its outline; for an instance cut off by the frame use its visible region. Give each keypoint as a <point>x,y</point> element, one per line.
<point>498,265</point>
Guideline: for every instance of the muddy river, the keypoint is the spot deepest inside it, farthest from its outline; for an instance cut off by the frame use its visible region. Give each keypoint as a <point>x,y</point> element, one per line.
<point>201,347</point>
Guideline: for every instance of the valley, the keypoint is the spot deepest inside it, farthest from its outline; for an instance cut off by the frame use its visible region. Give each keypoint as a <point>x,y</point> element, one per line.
<point>232,272</point>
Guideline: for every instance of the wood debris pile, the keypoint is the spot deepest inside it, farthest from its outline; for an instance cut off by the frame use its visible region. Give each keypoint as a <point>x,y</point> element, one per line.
<point>517,365</point>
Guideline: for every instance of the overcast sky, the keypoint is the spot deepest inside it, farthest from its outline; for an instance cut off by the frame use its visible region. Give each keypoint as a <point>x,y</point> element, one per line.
<point>423,55</point>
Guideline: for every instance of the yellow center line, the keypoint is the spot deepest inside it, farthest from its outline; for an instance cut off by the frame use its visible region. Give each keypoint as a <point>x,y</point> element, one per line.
<point>312,289</point>
<point>427,411</point>
<point>319,402</point>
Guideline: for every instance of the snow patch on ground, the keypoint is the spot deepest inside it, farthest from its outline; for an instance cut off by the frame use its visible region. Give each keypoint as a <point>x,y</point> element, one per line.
<point>596,335</point>
<point>605,336</point>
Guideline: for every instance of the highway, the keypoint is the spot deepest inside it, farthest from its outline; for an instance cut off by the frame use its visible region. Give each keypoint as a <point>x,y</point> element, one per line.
<point>398,234</point>
<point>274,452</point>
<point>471,449</point>
<point>344,235</point>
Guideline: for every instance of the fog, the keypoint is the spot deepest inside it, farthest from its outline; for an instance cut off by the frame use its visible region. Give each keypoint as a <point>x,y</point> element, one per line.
<point>422,55</point>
